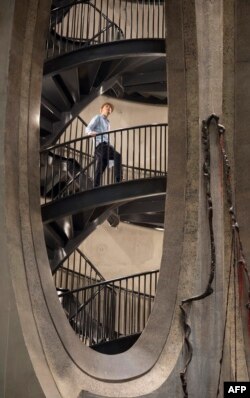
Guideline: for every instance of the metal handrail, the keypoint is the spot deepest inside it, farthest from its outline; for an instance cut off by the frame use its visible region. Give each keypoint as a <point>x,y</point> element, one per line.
<point>58,18</point>
<point>70,167</point>
<point>88,2</point>
<point>109,282</point>
<point>127,20</point>
<point>111,309</point>
<point>86,137</point>
<point>83,269</point>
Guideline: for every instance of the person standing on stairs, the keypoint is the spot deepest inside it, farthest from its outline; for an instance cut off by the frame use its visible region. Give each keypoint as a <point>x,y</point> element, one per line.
<point>104,151</point>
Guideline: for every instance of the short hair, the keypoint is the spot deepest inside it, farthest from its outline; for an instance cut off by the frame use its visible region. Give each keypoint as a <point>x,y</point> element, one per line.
<point>108,103</point>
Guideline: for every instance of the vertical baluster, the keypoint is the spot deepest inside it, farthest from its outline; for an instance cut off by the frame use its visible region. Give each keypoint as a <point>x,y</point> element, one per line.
<point>150,293</point>
<point>131,19</point>
<point>158,24</point>
<point>119,310</point>
<point>139,153</point>
<point>125,306</point>
<point>95,315</point>
<point>137,18</point>
<point>113,335</point>
<point>113,17</point>
<point>125,20</point>
<point>84,315</point>
<point>145,151</point>
<point>156,280</point>
<point>120,13</point>
<point>78,25</point>
<point>89,9</point>
<point>138,306</point>
<point>106,301</point>
<point>70,132</point>
<point>60,34</point>
<point>52,174</point>
<point>45,156</point>
<point>165,146</point>
<point>92,14</point>
<point>74,171</point>
<point>108,31</point>
<point>74,26</point>
<point>163,21</point>
<point>121,151</point>
<point>142,20</point>
<point>100,27</point>
<point>76,128</point>
<point>70,277</point>
<point>156,152</point>
<point>161,149</point>
<point>79,271</point>
<point>60,172</point>
<point>54,34</point>
<point>95,160</point>
<point>81,35</point>
<point>61,277</point>
<point>150,150</point>
<point>98,314</point>
<point>49,35</point>
<point>127,158</point>
<point>67,273</point>
<point>91,316</point>
<point>153,19</point>
<point>108,309</point>
<point>133,303</point>
<point>129,312</point>
<point>133,154</point>
<point>148,27</point>
<point>144,303</point>
<point>67,168</point>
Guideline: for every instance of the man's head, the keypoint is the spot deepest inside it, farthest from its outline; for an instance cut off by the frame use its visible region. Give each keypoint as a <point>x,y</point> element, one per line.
<point>107,108</point>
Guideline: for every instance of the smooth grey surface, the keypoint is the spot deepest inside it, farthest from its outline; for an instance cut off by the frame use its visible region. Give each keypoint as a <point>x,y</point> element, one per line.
<point>18,378</point>
<point>32,316</point>
<point>242,148</point>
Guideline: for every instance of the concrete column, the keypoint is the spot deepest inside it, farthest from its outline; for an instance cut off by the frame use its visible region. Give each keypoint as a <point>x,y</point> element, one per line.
<point>23,373</point>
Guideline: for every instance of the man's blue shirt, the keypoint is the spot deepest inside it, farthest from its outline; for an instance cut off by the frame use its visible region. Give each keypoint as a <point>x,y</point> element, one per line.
<point>99,124</point>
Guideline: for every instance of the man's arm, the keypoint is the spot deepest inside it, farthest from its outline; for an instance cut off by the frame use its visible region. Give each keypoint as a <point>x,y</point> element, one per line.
<point>90,129</point>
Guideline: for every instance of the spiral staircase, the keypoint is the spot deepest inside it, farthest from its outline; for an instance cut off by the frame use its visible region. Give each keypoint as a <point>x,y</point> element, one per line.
<point>116,48</point>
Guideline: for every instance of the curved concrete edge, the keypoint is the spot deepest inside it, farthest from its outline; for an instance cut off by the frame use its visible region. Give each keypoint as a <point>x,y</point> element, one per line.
<point>142,357</point>
<point>24,362</point>
<point>58,363</point>
<point>242,152</point>
<point>39,310</point>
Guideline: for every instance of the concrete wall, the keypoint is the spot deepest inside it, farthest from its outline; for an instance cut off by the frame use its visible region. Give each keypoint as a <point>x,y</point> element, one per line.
<point>124,250</point>
<point>59,366</point>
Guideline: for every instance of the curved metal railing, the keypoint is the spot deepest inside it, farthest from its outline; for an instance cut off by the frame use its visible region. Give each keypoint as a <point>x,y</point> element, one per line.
<point>76,272</point>
<point>70,167</point>
<point>111,309</point>
<point>84,23</point>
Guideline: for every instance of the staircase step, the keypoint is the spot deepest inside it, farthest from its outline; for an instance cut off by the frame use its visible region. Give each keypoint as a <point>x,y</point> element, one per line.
<point>116,346</point>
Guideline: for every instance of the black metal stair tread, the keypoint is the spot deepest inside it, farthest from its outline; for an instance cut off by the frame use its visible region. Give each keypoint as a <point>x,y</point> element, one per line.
<point>102,196</point>
<point>106,51</point>
<point>116,346</point>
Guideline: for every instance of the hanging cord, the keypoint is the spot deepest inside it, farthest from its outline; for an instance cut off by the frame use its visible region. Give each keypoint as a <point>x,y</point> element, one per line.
<point>240,257</point>
<point>237,254</point>
<point>237,250</point>
<point>232,263</point>
<point>209,289</point>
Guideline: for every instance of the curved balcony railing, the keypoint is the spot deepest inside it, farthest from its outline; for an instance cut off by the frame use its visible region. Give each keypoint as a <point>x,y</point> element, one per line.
<point>76,272</point>
<point>84,23</point>
<point>111,309</point>
<point>70,167</point>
